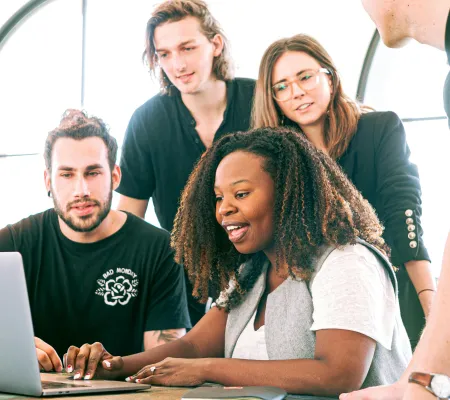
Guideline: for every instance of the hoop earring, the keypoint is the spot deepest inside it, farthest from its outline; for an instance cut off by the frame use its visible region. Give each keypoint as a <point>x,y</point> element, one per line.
<point>49,194</point>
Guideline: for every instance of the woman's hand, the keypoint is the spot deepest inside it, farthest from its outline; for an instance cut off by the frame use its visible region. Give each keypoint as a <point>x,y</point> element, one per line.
<point>172,372</point>
<point>90,360</point>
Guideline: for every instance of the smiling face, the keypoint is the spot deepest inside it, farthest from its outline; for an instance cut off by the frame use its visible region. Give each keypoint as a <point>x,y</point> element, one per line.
<point>245,197</point>
<point>81,182</point>
<point>185,54</point>
<point>306,107</point>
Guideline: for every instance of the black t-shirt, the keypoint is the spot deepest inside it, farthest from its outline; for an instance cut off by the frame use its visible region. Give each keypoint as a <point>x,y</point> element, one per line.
<point>161,146</point>
<point>447,82</point>
<point>110,291</point>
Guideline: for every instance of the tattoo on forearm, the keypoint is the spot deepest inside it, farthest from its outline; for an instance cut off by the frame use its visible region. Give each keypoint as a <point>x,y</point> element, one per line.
<point>169,335</point>
<point>157,338</point>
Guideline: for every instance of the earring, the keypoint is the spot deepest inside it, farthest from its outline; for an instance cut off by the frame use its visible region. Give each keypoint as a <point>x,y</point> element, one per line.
<point>49,194</point>
<point>282,120</point>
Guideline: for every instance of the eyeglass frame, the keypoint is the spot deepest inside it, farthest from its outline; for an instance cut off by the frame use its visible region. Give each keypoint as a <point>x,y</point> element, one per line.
<point>322,69</point>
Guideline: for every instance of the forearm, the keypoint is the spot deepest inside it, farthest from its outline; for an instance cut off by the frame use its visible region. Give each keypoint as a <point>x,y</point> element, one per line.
<point>154,339</point>
<point>421,277</point>
<point>433,352</point>
<point>295,376</point>
<point>417,392</point>
<point>134,206</point>
<point>179,348</point>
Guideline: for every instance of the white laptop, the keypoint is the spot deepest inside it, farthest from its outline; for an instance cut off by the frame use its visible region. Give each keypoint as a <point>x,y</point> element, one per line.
<point>19,369</point>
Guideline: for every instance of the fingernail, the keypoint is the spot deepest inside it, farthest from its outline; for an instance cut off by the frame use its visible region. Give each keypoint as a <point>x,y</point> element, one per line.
<point>129,379</point>
<point>77,376</point>
<point>87,376</point>
<point>138,381</point>
<point>107,363</point>
<point>69,368</point>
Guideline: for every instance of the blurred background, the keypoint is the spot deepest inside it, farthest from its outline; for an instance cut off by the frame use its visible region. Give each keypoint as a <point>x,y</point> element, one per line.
<point>87,54</point>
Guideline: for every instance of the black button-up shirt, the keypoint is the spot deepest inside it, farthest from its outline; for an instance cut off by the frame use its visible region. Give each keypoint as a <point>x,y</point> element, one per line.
<point>161,146</point>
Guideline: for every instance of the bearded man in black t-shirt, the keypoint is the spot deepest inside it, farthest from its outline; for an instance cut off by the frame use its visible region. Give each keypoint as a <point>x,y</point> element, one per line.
<point>94,274</point>
<point>428,22</point>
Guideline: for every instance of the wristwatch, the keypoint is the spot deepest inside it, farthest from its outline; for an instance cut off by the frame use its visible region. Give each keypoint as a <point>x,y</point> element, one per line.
<point>437,384</point>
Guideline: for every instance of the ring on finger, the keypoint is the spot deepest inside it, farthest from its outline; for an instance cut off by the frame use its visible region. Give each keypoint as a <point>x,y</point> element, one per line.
<point>152,369</point>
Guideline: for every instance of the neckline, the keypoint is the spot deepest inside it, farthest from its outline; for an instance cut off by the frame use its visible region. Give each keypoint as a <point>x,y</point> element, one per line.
<point>189,118</point>
<point>78,246</point>
<point>252,323</point>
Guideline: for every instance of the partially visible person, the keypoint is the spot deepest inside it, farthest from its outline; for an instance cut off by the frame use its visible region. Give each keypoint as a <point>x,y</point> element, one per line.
<point>94,273</point>
<point>299,86</point>
<point>428,22</point>
<point>308,298</point>
<point>200,101</point>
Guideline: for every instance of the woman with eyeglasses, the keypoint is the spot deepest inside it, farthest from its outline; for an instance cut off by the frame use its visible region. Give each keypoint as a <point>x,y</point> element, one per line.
<point>299,86</point>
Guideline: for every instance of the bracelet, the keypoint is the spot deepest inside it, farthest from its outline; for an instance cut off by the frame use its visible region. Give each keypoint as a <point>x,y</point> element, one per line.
<point>424,290</point>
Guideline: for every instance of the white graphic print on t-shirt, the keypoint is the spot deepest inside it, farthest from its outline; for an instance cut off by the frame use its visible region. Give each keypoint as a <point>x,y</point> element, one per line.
<point>115,288</point>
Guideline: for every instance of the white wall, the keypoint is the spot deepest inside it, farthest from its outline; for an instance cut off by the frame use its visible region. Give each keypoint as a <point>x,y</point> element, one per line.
<point>342,27</point>
<point>8,8</point>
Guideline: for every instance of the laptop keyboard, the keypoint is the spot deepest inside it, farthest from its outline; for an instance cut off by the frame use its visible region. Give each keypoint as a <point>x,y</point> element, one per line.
<point>59,385</point>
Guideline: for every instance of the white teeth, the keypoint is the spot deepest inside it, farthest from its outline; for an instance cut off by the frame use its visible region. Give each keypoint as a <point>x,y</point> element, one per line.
<point>232,227</point>
<point>303,106</point>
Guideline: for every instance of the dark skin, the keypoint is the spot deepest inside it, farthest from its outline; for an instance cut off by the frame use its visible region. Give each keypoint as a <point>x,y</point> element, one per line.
<point>273,280</point>
<point>245,193</point>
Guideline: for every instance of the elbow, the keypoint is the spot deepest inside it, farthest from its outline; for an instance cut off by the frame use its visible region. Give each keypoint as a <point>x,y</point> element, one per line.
<point>342,382</point>
<point>328,384</point>
<point>190,349</point>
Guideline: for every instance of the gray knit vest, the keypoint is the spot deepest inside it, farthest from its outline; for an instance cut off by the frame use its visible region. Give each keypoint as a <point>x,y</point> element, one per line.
<point>288,319</point>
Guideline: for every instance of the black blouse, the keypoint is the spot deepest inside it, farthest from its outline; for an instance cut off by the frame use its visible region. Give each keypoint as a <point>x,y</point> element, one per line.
<point>377,162</point>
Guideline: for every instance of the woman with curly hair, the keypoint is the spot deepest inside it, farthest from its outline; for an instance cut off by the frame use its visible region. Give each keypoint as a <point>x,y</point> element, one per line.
<point>299,86</point>
<point>308,299</point>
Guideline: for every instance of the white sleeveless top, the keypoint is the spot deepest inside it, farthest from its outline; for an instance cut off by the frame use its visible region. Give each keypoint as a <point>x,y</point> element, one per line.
<point>251,345</point>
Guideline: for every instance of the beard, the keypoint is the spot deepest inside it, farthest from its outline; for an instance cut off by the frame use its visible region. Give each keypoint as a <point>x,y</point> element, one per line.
<point>83,223</point>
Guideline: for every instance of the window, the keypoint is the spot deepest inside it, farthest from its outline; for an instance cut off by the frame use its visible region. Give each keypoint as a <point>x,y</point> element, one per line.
<point>409,81</point>
<point>39,71</point>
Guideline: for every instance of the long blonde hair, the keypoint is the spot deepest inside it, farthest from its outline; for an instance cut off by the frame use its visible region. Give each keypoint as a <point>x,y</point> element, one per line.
<point>343,113</point>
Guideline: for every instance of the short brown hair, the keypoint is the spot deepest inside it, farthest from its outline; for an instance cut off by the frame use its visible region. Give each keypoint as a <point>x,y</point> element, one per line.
<point>76,124</point>
<point>343,113</point>
<point>176,10</point>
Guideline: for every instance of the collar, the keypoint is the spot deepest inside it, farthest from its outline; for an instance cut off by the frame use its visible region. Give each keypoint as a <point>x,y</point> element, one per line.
<point>186,114</point>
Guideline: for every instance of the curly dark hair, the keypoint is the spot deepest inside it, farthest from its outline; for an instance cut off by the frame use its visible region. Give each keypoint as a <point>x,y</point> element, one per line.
<point>315,204</point>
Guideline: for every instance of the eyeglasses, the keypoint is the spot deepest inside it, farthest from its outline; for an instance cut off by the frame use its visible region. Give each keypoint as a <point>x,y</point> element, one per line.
<point>306,80</point>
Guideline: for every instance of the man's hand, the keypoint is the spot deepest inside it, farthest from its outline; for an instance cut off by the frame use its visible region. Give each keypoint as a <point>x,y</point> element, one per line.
<point>388,392</point>
<point>90,360</point>
<point>47,357</point>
